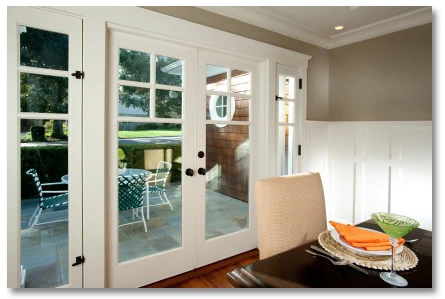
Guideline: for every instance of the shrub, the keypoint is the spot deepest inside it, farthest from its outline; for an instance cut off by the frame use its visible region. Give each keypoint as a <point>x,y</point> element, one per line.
<point>147,126</point>
<point>134,154</point>
<point>51,163</point>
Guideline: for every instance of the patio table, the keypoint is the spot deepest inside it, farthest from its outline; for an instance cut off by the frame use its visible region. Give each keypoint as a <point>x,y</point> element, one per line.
<point>128,172</point>
<point>297,269</point>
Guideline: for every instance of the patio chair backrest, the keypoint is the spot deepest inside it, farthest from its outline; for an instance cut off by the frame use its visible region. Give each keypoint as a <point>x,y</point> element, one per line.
<point>162,172</point>
<point>131,191</point>
<point>33,173</point>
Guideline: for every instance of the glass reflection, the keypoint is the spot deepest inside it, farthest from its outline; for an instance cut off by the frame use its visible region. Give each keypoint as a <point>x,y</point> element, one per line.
<point>44,216</point>
<point>157,148</point>
<point>227,179</point>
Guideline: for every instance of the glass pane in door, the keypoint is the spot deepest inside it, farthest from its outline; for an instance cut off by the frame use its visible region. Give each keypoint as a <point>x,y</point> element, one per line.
<point>168,103</point>
<point>240,82</point>
<point>227,179</point>
<point>43,49</point>
<point>286,112</point>
<point>216,78</point>
<point>44,202</point>
<point>286,87</point>
<point>134,65</point>
<point>169,70</point>
<point>149,188</point>
<point>134,101</point>
<point>43,94</point>
<point>285,149</point>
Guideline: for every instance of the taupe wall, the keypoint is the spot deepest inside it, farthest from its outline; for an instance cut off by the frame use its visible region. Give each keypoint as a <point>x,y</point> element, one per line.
<point>318,72</point>
<point>386,78</point>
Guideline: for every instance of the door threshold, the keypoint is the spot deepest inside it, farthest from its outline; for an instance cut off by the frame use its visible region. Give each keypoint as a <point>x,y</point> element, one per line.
<point>181,278</point>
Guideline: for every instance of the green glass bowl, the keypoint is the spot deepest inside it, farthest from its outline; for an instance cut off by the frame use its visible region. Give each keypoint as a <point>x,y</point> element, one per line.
<point>396,226</point>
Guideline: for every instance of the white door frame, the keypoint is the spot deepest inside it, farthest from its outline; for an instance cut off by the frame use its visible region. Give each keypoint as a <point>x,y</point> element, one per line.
<point>68,25</point>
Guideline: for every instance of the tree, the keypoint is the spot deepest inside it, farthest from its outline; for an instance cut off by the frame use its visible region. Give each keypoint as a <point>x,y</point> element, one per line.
<point>42,93</point>
<point>49,94</point>
<point>135,66</point>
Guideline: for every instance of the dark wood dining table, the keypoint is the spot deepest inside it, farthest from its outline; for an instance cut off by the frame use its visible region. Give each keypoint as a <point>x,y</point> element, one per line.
<point>297,269</point>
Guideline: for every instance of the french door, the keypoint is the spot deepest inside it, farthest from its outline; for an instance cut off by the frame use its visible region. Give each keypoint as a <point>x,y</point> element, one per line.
<point>152,89</point>
<point>288,119</point>
<point>44,144</point>
<point>226,138</point>
<point>194,112</point>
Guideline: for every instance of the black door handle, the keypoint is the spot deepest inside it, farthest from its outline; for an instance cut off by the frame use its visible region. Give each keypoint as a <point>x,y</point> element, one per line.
<point>189,172</point>
<point>201,171</point>
<point>79,260</point>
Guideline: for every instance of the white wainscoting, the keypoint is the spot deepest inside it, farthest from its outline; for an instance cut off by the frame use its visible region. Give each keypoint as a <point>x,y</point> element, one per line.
<point>314,152</point>
<point>372,166</point>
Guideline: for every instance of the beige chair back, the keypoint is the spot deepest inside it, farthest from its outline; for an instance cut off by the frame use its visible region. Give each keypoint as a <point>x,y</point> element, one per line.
<point>291,212</point>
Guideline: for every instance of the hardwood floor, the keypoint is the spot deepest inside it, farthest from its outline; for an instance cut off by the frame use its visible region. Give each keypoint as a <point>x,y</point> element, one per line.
<point>217,278</point>
<point>210,276</point>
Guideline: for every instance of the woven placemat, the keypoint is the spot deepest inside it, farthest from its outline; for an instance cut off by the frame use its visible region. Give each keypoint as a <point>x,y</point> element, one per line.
<point>404,261</point>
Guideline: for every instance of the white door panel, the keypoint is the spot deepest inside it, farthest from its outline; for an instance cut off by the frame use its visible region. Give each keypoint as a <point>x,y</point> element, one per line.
<point>44,48</point>
<point>151,89</point>
<point>226,217</point>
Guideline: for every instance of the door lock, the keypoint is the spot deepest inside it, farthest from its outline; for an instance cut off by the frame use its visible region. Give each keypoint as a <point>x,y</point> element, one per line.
<point>189,172</point>
<point>201,154</point>
<point>79,260</point>
<point>201,171</point>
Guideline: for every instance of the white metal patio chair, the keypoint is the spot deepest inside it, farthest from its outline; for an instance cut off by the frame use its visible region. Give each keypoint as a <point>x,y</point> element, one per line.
<point>157,186</point>
<point>45,203</point>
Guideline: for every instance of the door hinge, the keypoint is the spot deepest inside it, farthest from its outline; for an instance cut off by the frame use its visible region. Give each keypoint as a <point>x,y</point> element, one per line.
<point>300,83</point>
<point>299,149</point>
<point>78,74</point>
<point>278,98</point>
<point>79,260</point>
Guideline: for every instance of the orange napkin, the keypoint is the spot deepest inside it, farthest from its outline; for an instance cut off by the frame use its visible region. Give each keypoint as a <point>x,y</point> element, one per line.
<point>364,239</point>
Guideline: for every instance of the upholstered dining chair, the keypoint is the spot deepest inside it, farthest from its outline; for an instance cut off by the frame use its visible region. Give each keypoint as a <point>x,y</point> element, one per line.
<point>291,211</point>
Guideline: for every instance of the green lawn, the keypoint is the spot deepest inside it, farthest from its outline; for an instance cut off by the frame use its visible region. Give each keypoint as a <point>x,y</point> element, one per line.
<point>148,133</point>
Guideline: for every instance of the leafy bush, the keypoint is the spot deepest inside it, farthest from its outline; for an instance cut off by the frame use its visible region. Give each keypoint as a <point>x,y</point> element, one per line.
<point>134,154</point>
<point>51,163</point>
<point>148,126</point>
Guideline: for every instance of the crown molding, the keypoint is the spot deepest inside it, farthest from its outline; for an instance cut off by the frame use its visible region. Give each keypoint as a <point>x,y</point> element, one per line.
<point>408,20</point>
<point>258,17</point>
<point>273,22</point>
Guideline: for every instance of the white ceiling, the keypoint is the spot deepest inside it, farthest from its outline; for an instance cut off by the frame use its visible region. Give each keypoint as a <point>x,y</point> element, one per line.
<point>315,24</point>
<point>322,20</point>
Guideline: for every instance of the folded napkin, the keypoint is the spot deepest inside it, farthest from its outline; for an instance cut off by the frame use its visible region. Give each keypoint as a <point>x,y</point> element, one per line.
<point>364,239</point>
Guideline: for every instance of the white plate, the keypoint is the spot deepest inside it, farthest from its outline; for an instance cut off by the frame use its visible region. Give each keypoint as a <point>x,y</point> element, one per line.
<point>336,237</point>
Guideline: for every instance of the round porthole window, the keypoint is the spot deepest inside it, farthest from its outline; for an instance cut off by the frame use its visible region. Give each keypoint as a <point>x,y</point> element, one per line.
<point>218,107</point>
